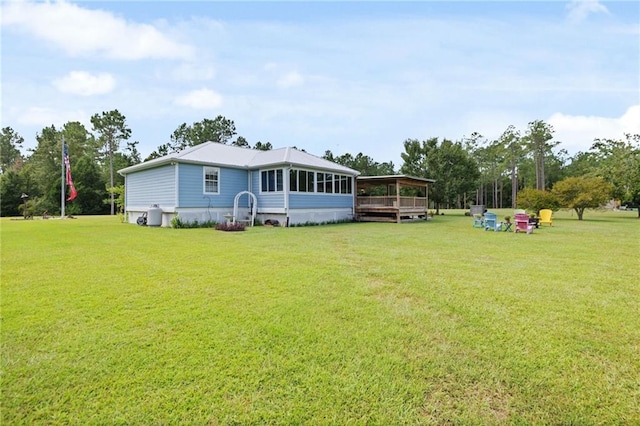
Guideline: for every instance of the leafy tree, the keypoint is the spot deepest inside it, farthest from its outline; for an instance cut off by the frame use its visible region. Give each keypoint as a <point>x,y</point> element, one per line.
<point>447,162</point>
<point>511,143</point>
<point>179,139</point>
<point>414,158</point>
<point>581,164</point>
<point>91,188</point>
<point>11,188</point>
<point>580,193</point>
<point>618,162</point>
<point>10,144</point>
<point>536,200</point>
<point>241,142</point>
<point>477,148</point>
<point>112,128</point>
<point>80,142</point>
<point>45,168</point>
<point>118,192</point>
<point>263,146</point>
<point>132,154</point>
<point>161,151</point>
<point>556,163</point>
<point>538,138</point>
<point>492,169</point>
<point>219,130</point>
<point>362,163</point>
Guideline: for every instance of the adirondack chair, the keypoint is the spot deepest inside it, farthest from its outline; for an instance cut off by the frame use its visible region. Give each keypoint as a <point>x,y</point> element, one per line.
<point>545,217</point>
<point>477,221</point>
<point>522,223</point>
<point>490,221</point>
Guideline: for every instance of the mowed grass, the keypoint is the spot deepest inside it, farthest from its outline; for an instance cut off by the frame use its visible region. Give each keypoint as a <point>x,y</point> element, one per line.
<point>420,323</point>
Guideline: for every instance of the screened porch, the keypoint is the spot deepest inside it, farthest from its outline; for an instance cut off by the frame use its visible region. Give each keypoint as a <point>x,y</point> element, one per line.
<point>393,198</point>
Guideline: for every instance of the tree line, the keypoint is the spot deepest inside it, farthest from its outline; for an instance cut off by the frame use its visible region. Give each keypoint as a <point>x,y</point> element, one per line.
<point>516,169</point>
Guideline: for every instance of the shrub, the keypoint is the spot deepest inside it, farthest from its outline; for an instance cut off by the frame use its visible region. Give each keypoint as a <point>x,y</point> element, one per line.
<point>536,200</point>
<point>178,223</point>
<point>231,227</point>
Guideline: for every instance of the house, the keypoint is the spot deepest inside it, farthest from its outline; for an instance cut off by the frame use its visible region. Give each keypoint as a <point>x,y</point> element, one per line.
<point>217,182</point>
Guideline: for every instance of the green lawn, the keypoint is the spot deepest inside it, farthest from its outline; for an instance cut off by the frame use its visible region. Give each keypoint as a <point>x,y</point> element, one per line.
<point>423,323</point>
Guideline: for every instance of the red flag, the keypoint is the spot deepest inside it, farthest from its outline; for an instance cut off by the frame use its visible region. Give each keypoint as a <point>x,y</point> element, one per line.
<point>73,194</point>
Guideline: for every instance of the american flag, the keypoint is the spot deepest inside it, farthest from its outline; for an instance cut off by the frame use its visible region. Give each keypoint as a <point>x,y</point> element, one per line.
<point>73,194</point>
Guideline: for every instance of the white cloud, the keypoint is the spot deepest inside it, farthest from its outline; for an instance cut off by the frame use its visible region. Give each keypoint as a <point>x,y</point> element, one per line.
<point>85,84</point>
<point>579,10</point>
<point>45,116</point>
<point>193,72</point>
<point>577,132</point>
<point>82,31</point>
<point>200,99</point>
<point>290,79</point>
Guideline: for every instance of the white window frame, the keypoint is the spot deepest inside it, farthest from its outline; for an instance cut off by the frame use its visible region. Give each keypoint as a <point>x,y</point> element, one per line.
<point>207,170</point>
<point>275,181</point>
<point>308,184</point>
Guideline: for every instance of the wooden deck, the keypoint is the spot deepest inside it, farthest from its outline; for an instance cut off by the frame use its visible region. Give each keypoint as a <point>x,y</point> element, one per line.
<point>390,208</point>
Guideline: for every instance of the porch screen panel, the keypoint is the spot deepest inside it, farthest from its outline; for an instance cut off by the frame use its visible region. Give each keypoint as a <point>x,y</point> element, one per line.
<point>329,183</point>
<point>310,181</point>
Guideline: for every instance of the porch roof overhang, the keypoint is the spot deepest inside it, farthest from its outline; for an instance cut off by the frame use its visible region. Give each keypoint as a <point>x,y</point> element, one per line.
<point>403,180</point>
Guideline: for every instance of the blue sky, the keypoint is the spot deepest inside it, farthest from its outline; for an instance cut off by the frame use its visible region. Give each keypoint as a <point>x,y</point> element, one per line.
<point>341,76</point>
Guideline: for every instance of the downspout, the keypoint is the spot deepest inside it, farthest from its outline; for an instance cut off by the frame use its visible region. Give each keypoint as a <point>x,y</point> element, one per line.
<point>249,187</point>
<point>125,211</point>
<point>286,183</point>
<point>176,195</point>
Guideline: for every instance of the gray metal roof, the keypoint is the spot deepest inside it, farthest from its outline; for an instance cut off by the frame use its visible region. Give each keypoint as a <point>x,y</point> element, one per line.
<point>384,180</point>
<point>217,154</point>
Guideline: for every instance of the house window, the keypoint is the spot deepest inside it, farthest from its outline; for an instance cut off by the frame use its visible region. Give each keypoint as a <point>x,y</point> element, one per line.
<point>293,180</point>
<point>271,180</point>
<point>326,183</point>
<point>320,183</point>
<point>301,181</point>
<point>328,177</point>
<point>344,184</point>
<point>310,181</point>
<point>211,184</point>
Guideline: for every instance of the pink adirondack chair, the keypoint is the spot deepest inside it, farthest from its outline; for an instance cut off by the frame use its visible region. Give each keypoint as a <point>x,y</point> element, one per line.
<point>522,223</point>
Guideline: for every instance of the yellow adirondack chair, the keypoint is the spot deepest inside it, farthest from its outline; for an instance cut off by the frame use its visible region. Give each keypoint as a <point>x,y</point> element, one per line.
<point>545,217</point>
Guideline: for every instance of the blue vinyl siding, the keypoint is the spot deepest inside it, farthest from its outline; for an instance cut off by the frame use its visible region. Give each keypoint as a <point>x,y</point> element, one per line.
<point>319,201</point>
<point>152,186</point>
<point>266,200</point>
<point>230,181</point>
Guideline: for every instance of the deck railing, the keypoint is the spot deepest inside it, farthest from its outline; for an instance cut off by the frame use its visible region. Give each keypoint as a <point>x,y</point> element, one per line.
<point>390,201</point>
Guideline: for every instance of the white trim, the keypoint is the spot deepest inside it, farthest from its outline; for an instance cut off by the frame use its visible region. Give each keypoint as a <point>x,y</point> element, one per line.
<point>285,187</point>
<point>204,180</point>
<point>176,171</point>
<point>254,208</point>
<point>274,210</point>
<point>275,182</point>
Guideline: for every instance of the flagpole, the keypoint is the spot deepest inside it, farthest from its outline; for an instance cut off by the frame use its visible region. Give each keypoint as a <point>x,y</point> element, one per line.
<point>63,188</point>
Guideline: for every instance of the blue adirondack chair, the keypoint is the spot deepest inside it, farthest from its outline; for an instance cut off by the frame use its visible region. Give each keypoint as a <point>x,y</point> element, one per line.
<point>490,221</point>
